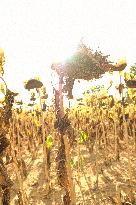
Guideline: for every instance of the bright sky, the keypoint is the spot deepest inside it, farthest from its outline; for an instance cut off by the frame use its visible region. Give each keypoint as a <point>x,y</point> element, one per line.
<point>34,33</point>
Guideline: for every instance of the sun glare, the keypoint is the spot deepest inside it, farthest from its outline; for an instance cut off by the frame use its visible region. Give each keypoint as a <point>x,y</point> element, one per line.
<point>31,47</point>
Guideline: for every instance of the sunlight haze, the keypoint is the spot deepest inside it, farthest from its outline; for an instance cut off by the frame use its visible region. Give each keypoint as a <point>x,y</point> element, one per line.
<point>35,33</point>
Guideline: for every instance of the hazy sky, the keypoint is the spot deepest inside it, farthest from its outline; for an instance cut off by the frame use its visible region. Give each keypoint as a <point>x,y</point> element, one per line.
<point>34,33</point>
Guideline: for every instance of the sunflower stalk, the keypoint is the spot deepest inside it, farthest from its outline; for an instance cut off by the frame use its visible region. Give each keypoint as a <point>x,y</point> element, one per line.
<point>45,163</point>
<point>15,164</point>
<point>96,160</point>
<point>69,171</point>
<point>128,153</point>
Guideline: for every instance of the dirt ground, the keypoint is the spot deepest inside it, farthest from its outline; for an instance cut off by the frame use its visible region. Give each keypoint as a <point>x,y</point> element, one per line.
<point>86,189</point>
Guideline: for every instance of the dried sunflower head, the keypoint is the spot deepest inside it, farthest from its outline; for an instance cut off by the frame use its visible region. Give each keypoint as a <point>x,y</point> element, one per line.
<point>33,83</point>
